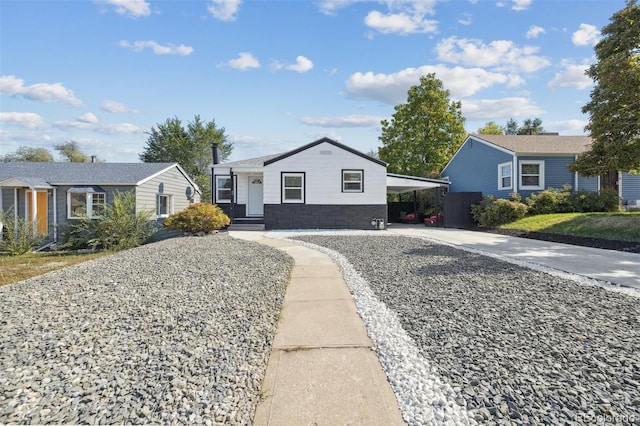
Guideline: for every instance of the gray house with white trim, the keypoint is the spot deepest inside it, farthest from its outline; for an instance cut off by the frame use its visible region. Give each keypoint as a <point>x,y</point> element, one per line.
<point>501,164</point>
<point>55,194</point>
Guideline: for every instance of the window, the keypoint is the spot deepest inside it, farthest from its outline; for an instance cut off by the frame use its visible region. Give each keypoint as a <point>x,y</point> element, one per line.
<point>85,202</point>
<point>352,180</point>
<point>532,174</point>
<point>164,205</point>
<point>223,189</point>
<point>504,176</point>
<point>293,187</point>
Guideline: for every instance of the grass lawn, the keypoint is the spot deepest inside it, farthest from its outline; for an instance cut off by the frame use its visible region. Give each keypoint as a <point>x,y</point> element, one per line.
<point>610,226</point>
<point>18,268</point>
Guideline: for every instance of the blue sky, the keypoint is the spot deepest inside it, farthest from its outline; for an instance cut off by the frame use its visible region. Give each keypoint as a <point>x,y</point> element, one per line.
<point>279,74</point>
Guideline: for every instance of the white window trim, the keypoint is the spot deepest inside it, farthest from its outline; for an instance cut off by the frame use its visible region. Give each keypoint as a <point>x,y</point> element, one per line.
<point>89,199</point>
<point>283,188</point>
<point>223,200</point>
<point>501,176</point>
<point>540,185</point>
<point>361,172</point>
<point>169,205</point>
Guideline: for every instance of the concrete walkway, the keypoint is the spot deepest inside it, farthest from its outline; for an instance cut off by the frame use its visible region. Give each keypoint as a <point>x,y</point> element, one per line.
<point>617,267</point>
<point>322,369</point>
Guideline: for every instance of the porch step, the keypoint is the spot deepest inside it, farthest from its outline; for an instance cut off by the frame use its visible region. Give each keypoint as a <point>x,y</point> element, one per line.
<point>246,227</point>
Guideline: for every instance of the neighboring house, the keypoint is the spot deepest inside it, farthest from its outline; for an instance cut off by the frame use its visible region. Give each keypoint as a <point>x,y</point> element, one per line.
<point>501,164</point>
<point>321,185</point>
<point>64,192</point>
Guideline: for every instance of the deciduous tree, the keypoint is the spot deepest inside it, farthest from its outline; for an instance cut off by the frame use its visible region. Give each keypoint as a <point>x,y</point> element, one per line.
<point>423,133</point>
<point>24,153</point>
<point>491,128</point>
<point>614,108</point>
<point>70,152</point>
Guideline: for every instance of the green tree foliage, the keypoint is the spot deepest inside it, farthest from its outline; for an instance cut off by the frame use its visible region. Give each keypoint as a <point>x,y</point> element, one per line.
<point>491,128</point>
<point>423,133</point>
<point>190,147</point>
<point>614,108</point>
<point>24,153</point>
<point>70,152</point>
<point>529,127</point>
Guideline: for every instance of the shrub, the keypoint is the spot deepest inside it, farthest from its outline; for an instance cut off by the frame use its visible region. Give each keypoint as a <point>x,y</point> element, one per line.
<point>197,218</point>
<point>550,201</point>
<point>17,234</point>
<point>119,228</point>
<point>494,212</point>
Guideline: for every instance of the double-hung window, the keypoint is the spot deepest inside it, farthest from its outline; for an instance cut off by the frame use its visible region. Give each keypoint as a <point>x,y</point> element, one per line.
<point>223,189</point>
<point>505,176</point>
<point>352,181</point>
<point>164,205</point>
<point>85,201</point>
<point>293,187</point>
<point>532,174</point>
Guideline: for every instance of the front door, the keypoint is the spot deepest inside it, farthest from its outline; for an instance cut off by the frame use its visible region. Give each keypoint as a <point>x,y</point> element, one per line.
<point>41,211</point>
<point>255,203</point>
<point>609,181</point>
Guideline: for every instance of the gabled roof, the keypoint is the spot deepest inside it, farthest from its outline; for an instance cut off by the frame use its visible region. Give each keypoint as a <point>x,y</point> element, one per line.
<point>539,144</point>
<point>87,173</point>
<point>259,162</point>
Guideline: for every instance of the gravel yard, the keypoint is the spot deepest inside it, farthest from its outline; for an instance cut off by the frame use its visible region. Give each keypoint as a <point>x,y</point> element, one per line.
<point>497,342</point>
<point>177,331</point>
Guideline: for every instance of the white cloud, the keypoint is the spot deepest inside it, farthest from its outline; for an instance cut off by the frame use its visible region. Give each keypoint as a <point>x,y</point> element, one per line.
<point>502,55</point>
<point>302,65</point>
<point>224,10</point>
<point>521,4</point>
<point>567,127</point>
<point>113,106</point>
<point>88,118</point>
<point>329,7</point>
<point>535,31</point>
<point>131,8</point>
<point>587,35</point>
<point>497,109</point>
<point>573,76</point>
<point>27,120</point>
<point>354,120</point>
<point>44,92</point>
<point>157,48</point>
<point>466,19</point>
<point>392,88</point>
<point>401,23</point>
<point>244,61</point>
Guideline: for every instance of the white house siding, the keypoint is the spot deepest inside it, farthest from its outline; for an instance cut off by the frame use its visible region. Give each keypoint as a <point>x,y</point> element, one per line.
<point>171,182</point>
<point>323,165</point>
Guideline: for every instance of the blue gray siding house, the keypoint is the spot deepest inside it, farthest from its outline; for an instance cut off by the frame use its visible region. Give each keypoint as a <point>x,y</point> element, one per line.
<point>63,192</point>
<point>502,164</point>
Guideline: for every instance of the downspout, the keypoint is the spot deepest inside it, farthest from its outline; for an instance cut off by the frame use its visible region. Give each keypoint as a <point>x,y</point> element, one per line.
<point>515,174</point>
<point>233,193</point>
<point>55,216</point>
<point>575,176</point>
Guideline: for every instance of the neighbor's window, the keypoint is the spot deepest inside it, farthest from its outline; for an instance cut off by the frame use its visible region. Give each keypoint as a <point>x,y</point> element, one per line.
<point>352,180</point>
<point>89,204</point>
<point>223,189</point>
<point>504,176</point>
<point>164,205</point>
<point>293,187</point>
<point>532,174</point>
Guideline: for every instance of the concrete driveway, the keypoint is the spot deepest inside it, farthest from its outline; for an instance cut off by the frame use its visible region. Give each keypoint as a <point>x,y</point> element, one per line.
<point>619,268</point>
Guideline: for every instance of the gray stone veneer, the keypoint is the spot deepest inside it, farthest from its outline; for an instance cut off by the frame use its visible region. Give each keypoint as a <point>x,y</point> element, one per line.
<point>310,216</point>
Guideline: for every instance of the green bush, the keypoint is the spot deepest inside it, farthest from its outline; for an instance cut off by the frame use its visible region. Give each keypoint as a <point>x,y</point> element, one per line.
<point>550,201</point>
<point>198,218</point>
<point>119,228</point>
<point>606,200</point>
<point>494,212</point>
<point>17,234</point>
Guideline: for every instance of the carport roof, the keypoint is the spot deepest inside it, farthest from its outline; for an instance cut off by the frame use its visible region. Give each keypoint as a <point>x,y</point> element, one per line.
<point>399,184</point>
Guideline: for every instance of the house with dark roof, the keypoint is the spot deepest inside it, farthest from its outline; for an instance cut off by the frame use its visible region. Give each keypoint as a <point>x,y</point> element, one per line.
<point>51,195</point>
<point>320,185</point>
<point>524,164</point>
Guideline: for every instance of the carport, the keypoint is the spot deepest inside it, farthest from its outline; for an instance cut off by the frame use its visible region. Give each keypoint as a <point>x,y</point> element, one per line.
<point>403,184</point>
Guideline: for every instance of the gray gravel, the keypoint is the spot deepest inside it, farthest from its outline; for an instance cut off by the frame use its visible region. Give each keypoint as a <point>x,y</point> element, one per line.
<point>177,331</point>
<point>489,341</point>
